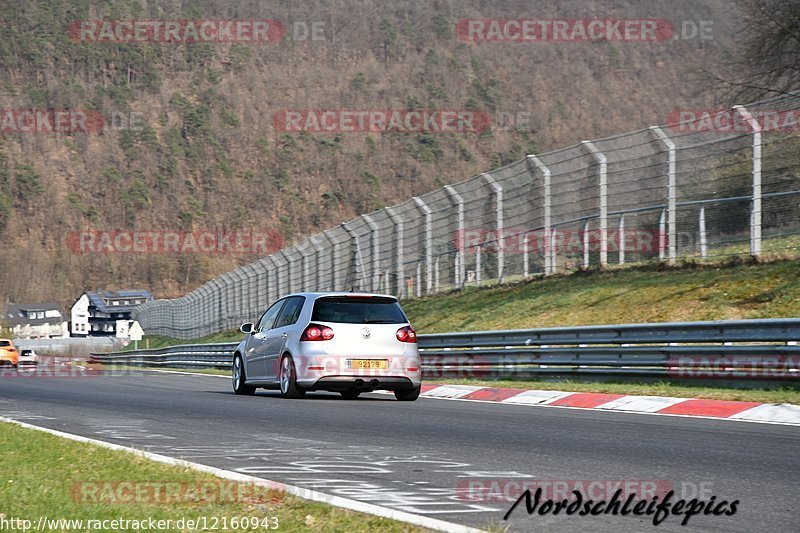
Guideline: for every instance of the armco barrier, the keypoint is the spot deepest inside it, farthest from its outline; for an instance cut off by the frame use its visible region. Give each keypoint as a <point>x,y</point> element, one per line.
<point>741,350</point>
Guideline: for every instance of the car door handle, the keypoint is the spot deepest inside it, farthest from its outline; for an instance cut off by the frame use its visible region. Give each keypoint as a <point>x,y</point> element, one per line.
<point>285,335</point>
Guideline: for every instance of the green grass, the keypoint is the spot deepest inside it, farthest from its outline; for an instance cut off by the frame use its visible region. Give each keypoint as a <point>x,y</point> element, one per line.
<point>631,295</point>
<point>41,475</point>
<point>634,295</point>
<point>664,388</point>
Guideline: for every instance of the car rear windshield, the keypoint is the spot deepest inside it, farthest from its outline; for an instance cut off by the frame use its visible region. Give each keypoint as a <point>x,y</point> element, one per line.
<point>5,343</point>
<point>350,310</point>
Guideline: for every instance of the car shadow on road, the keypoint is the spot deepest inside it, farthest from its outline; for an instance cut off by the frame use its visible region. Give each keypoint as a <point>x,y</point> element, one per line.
<point>315,396</point>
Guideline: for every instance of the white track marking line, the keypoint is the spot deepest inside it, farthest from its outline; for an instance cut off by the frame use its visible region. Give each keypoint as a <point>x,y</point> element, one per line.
<point>306,494</point>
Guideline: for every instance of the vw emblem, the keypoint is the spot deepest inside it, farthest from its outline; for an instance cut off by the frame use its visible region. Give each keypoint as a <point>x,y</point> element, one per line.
<point>366,333</point>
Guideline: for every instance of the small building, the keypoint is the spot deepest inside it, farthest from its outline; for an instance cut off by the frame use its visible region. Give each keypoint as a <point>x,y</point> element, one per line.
<point>96,314</point>
<point>35,321</point>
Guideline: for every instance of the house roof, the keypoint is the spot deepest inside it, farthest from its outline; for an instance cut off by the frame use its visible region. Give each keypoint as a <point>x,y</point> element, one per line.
<point>16,314</point>
<point>100,300</point>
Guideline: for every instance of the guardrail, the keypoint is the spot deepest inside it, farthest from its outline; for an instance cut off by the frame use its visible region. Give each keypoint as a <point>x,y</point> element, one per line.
<point>741,350</point>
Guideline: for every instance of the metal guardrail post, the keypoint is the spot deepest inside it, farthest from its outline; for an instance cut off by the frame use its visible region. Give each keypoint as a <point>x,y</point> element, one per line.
<point>375,259</point>
<point>426,213</point>
<point>549,264</point>
<point>460,263</point>
<point>497,189</point>
<point>671,193</point>
<point>602,175</point>
<point>755,209</point>
<point>398,231</point>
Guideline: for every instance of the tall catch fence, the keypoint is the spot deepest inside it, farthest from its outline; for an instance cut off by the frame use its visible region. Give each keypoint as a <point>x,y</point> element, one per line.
<point>717,185</point>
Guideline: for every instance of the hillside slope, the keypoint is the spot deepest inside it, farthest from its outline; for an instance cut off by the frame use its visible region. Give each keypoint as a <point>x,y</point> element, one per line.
<point>207,154</point>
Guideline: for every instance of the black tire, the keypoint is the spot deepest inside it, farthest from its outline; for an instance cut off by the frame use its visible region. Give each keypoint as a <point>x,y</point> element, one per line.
<point>408,395</point>
<point>288,379</point>
<point>238,378</point>
<point>350,394</point>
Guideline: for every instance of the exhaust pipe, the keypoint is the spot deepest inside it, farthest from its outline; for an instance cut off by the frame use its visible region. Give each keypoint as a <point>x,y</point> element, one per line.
<point>374,384</point>
<point>359,384</point>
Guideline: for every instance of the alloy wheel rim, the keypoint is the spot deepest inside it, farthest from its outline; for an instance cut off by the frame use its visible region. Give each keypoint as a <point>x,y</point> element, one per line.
<point>286,370</point>
<point>237,369</point>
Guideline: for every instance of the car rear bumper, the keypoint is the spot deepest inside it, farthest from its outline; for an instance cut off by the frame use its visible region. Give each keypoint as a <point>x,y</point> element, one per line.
<point>361,383</point>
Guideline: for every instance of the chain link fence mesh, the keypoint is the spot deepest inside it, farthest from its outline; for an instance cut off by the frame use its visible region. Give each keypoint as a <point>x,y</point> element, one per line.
<point>721,186</point>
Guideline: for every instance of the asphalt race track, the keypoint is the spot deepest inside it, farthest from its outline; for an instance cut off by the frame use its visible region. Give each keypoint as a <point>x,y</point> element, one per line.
<point>421,456</point>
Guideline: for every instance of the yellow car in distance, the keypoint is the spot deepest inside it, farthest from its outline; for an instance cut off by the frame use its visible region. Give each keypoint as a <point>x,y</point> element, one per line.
<point>8,354</point>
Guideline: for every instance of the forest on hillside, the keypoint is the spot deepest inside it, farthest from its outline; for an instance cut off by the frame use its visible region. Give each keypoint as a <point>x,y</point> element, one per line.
<point>189,139</point>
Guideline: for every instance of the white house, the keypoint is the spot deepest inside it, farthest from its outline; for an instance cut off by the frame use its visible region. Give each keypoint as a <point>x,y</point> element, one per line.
<point>98,314</point>
<point>35,321</point>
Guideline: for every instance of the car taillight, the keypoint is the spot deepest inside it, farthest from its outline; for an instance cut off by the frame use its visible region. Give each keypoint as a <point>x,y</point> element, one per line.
<point>406,334</point>
<point>315,332</point>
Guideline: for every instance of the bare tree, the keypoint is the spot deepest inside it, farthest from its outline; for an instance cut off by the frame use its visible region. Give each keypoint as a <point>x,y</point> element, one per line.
<point>768,60</point>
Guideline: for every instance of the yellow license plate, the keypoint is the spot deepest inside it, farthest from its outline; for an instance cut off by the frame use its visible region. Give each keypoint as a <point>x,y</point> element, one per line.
<point>368,363</point>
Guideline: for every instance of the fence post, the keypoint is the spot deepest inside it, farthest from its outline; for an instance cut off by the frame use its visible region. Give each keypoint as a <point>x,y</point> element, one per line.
<point>586,244</point>
<point>603,183</point>
<point>418,284</point>
<point>356,271</point>
<point>319,263</point>
<point>334,271</point>
<point>375,262</point>
<point>304,267</point>
<point>478,265</point>
<point>621,237</point>
<point>662,234</point>
<point>398,230</point>
<point>549,266</point>
<point>701,228</point>
<point>755,208</point>
<point>458,201</point>
<point>671,193</point>
<point>426,212</point>
<point>283,280</point>
<point>497,189</point>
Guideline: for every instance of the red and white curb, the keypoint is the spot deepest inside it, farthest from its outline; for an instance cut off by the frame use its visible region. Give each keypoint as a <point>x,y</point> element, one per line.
<point>769,413</point>
<point>783,413</point>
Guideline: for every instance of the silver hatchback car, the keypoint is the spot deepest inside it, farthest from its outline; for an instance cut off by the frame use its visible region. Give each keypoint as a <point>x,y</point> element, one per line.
<point>341,342</point>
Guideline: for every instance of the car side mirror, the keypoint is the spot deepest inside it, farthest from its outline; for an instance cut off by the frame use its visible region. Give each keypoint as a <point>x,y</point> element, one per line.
<point>248,328</point>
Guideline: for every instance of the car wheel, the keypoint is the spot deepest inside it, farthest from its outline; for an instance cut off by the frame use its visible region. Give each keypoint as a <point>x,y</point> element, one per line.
<point>350,394</point>
<point>408,395</point>
<point>289,387</point>
<point>239,377</point>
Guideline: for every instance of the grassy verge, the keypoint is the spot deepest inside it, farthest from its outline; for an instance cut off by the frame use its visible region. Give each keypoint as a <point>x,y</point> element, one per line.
<point>632,295</point>
<point>43,475</point>
<point>777,395</point>
<point>648,294</point>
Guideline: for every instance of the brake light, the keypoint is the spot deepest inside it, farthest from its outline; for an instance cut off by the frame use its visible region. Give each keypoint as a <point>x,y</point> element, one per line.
<point>315,332</point>
<point>406,334</point>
